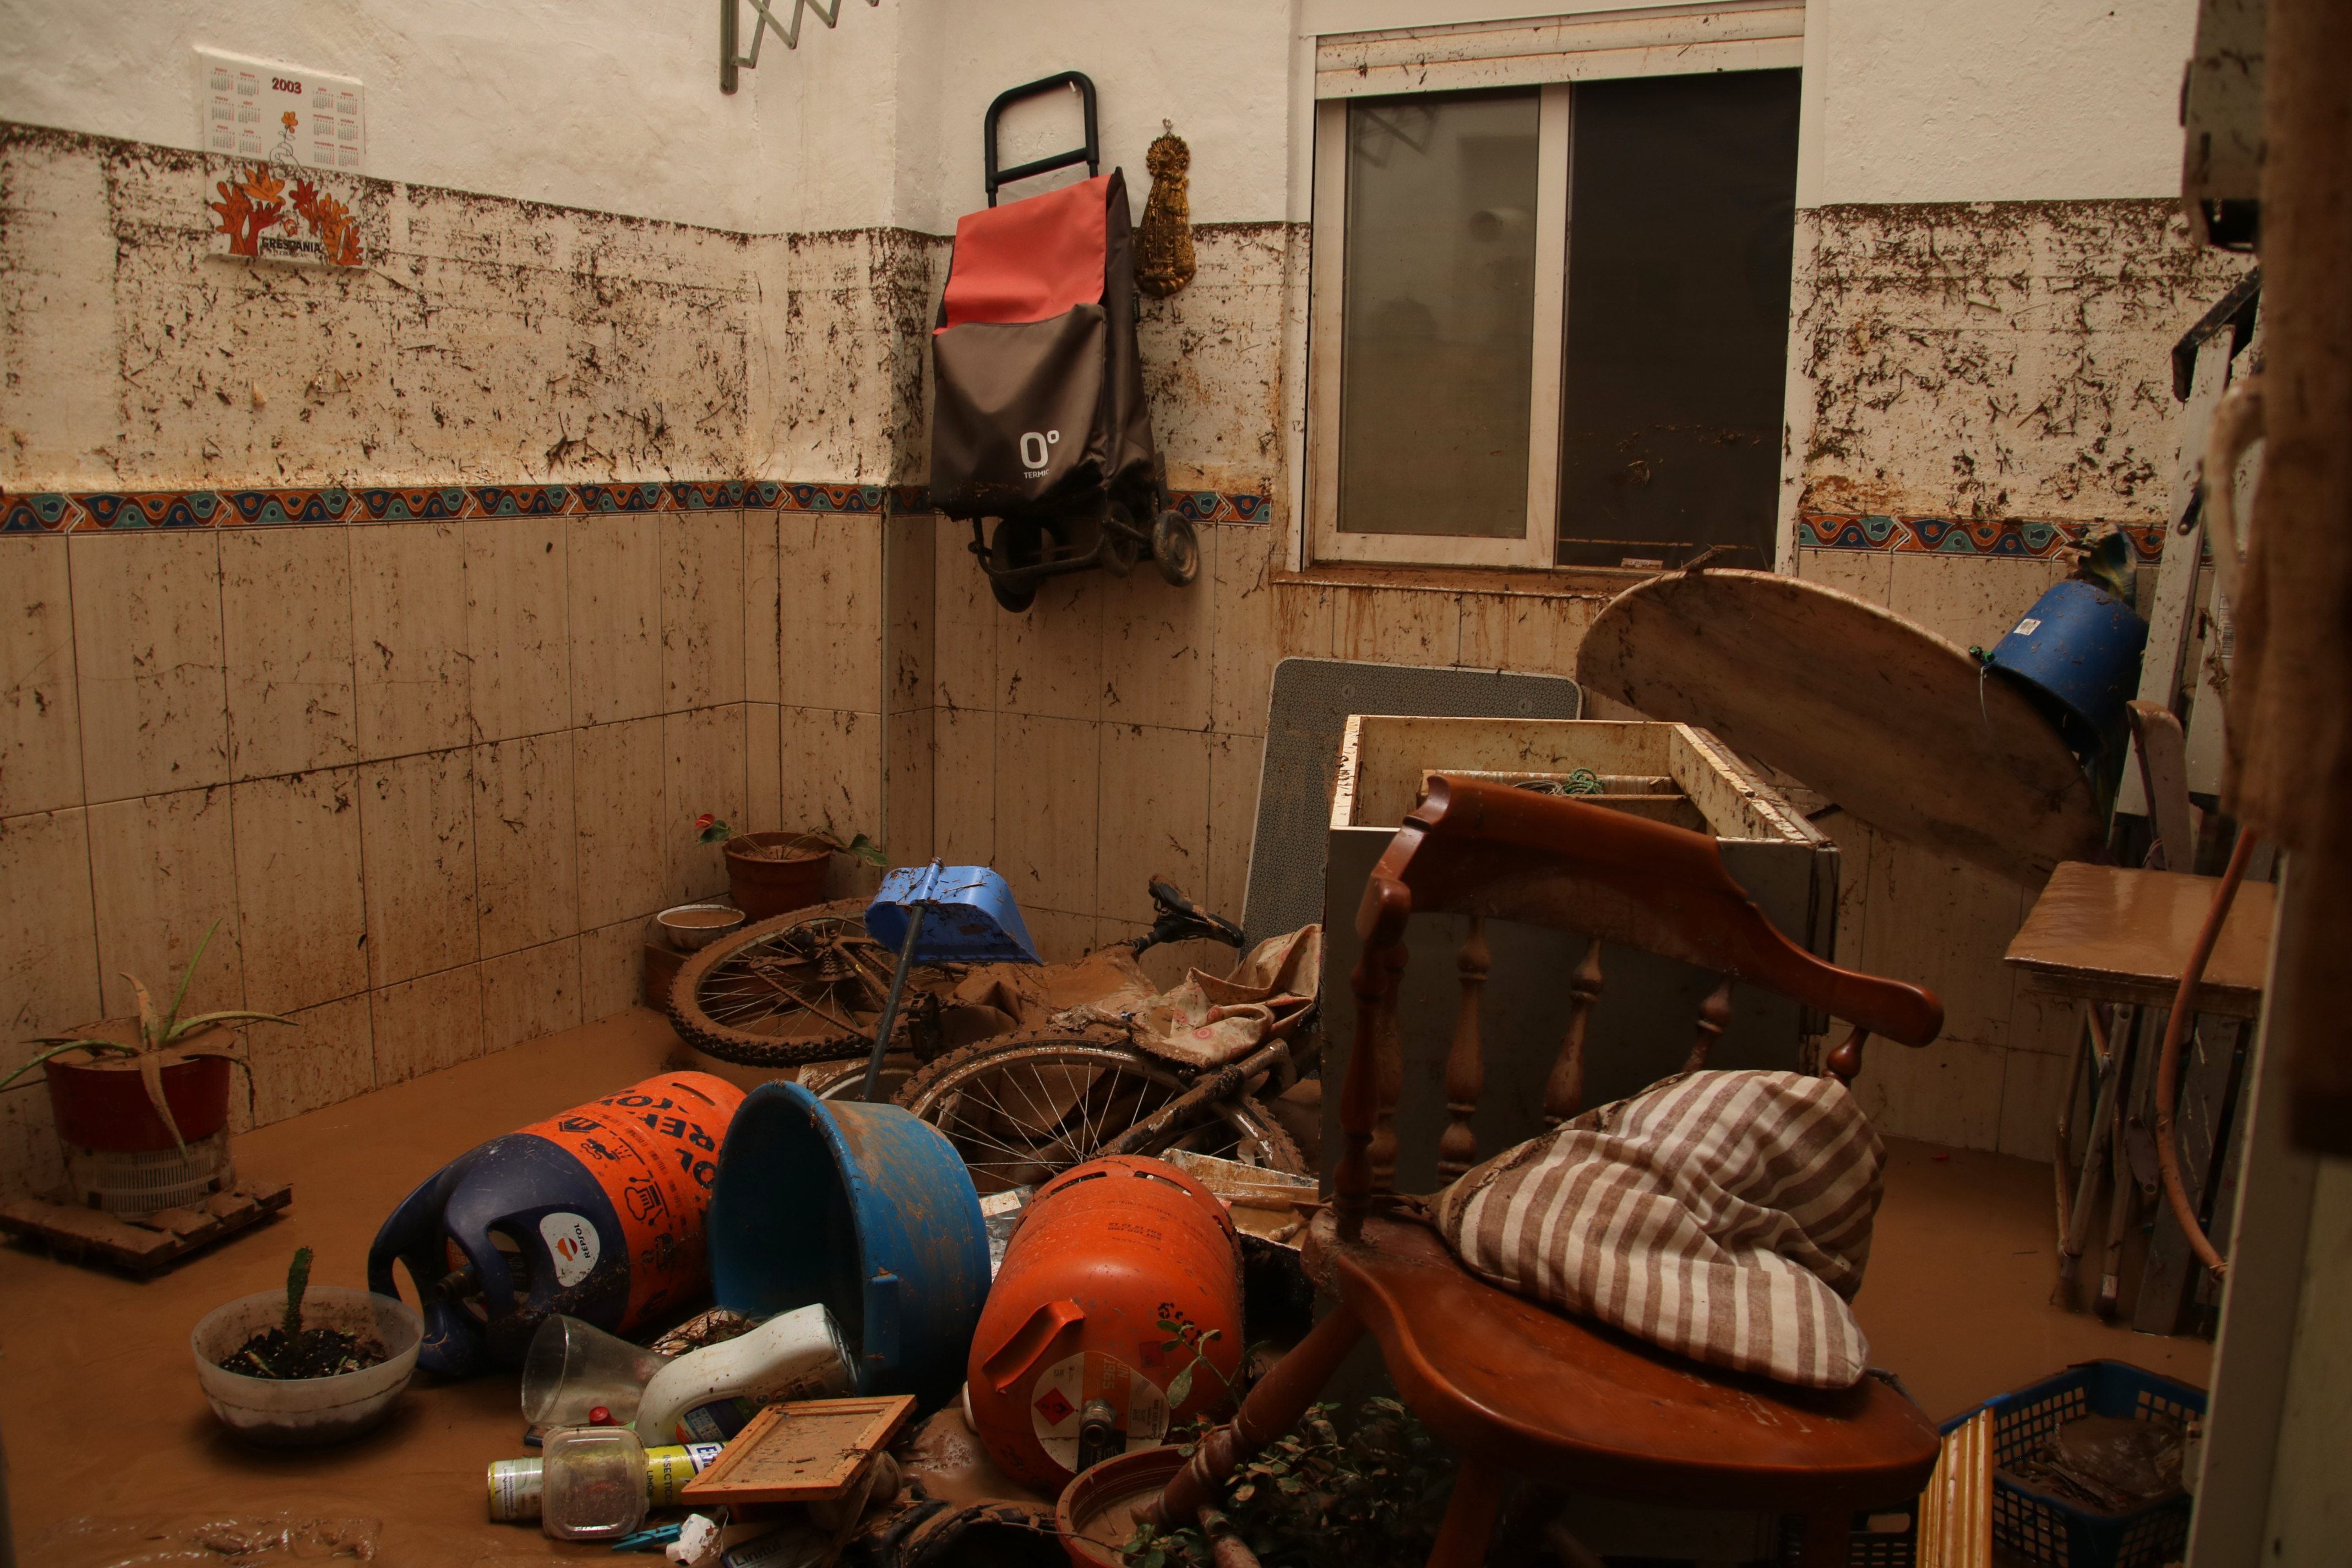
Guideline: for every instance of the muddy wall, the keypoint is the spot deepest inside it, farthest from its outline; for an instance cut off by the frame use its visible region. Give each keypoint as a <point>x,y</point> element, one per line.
<point>400,617</point>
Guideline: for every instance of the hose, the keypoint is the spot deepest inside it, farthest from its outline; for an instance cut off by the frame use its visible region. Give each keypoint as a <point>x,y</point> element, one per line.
<point>2168,1071</point>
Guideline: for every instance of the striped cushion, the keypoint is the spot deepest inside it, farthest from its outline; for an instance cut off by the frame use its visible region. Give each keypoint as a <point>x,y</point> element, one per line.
<point>1724,1215</point>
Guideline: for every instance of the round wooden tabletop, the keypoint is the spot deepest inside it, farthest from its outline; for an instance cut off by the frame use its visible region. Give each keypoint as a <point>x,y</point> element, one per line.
<point>1899,727</point>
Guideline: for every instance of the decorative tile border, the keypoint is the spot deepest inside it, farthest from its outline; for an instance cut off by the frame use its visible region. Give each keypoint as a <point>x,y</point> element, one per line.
<point>2021,538</point>
<point>78,511</point>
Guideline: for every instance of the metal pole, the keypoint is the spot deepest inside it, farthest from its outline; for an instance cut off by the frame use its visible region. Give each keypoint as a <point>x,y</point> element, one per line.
<point>890,1004</point>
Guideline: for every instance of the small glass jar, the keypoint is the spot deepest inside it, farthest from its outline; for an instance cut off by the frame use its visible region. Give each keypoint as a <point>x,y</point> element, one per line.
<point>592,1484</point>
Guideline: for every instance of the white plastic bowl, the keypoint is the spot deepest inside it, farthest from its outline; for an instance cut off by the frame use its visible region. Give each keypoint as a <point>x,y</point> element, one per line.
<point>307,1412</point>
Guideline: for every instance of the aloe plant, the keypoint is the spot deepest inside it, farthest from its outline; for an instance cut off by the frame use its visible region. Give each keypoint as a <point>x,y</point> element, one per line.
<point>708,829</point>
<point>159,1034</point>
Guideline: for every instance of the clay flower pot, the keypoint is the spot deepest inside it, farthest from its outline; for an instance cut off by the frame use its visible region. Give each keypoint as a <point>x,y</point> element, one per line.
<point>101,1104</point>
<point>765,887</point>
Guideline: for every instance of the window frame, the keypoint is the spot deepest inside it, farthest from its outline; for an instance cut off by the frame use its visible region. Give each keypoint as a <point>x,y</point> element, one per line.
<point>1550,55</point>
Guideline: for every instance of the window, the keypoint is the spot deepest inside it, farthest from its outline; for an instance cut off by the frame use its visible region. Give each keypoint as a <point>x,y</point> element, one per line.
<point>1551,305</point>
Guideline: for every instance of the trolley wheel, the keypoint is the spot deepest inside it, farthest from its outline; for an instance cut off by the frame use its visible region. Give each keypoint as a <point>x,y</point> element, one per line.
<point>1176,549</point>
<point>1122,540</point>
<point>1019,541</point>
<point>1024,1107</point>
<point>803,987</point>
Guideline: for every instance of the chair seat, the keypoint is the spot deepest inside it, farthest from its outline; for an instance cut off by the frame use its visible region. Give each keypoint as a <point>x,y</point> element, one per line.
<point>1579,1405</point>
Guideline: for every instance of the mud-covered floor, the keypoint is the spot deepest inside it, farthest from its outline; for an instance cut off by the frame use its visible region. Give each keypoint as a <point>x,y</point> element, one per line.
<point>107,1436</point>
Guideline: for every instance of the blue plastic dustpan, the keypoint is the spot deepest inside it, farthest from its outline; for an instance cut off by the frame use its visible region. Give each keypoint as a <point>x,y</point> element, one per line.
<point>969,916</point>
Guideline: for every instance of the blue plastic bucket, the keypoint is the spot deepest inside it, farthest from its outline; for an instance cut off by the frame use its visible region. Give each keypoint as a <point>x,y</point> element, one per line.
<point>2076,655</point>
<point>864,1209</point>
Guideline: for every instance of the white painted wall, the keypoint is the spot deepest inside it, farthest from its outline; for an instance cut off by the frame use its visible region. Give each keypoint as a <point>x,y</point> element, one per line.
<point>607,104</point>
<point>1217,69</point>
<point>614,104</point>
<point>1983,100</point>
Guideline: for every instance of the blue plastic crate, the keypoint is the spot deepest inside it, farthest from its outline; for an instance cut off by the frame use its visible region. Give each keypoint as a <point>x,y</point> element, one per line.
<point>2044,1529</point>
<point>2035,1525</point>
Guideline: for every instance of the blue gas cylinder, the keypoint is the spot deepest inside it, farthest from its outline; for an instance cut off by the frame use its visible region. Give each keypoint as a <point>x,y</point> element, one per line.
<point>597,1213</point>
<point>2075,654</point>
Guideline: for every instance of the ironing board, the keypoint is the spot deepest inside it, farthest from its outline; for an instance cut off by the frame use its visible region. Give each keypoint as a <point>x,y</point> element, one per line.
<point>1896,725</point>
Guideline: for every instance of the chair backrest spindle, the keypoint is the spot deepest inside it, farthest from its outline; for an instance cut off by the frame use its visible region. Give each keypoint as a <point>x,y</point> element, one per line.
<point>1844,1063</point>
<point>1564,1090</point>
<point>1713,1016</point>
<point>1388,1061</point>
<point>1465,1070</point>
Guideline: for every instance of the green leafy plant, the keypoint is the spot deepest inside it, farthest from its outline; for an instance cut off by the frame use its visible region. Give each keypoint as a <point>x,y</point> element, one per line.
<point>1185,1336</point>
<point>708,829</point>
<point>1311,1499</point>
<point>161,1035</point>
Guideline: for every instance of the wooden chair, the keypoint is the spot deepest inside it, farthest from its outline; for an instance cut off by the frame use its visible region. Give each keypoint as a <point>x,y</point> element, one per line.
<point>1514,1387</point>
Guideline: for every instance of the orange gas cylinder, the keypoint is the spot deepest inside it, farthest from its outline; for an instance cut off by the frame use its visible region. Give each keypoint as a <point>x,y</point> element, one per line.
<point>1071,1364</point>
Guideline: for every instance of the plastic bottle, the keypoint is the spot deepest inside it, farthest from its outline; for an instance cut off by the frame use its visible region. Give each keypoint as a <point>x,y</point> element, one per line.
<point>516,1486</point>
<point>597,1213</point>
<point>592,1484</point>
<point>708,1395</point>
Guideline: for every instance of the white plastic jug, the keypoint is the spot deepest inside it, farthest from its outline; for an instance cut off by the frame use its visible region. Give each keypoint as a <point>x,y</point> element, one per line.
<point>708,1395</point>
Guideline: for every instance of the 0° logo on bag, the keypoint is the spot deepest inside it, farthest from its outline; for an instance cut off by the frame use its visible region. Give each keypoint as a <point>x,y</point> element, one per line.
<point>1034,452</point>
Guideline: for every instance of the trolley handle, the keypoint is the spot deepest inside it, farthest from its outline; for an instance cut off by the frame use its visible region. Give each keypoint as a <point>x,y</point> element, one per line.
<point>1090,154</point>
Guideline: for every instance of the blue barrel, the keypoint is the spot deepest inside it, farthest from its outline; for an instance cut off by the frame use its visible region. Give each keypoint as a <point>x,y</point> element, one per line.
<point>864,1209</point>
<point>2076,655</point>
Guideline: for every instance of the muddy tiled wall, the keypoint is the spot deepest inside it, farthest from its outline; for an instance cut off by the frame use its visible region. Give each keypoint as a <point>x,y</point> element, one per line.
<point>424,735</point>
<point>1113,730</point>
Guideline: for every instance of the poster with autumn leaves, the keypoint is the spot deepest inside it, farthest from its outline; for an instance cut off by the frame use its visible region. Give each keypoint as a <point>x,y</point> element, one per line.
<point>256,221</point>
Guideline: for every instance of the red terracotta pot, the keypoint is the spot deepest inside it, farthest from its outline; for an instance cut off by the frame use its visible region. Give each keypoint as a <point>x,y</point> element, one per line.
<point>107,1106</point>
<point>763,888</point>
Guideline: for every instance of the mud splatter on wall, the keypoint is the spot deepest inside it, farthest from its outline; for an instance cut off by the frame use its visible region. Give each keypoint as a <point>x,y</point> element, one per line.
<point>484,339</point>
<point>1995,359</point>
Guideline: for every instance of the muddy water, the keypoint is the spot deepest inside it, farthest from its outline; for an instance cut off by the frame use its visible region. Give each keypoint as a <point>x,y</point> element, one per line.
<point>103,1421</point>
<point>944,1454</point>
<point>99,1405</point>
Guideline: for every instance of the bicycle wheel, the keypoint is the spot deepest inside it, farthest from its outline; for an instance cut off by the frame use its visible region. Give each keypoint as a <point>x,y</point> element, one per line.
<point>1022,1108</point>
<point>803,987</point>
<point>845,1080</point>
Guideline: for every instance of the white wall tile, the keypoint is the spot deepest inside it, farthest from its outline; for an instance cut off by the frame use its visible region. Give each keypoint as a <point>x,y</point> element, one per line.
<point>147,640</point>
<point>41,709</point>
<point>517,626</point>
<point>615,616</point>
<point>526,843</point>
<point>422,1025</point>
<point>163,871</point>
<point>416,836</point>
<point>303,908</point>
<point>286,626</point>
<point>531,993</point>
<point>408,633</point>
<point>702,609</point>
<point>49,931</point>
